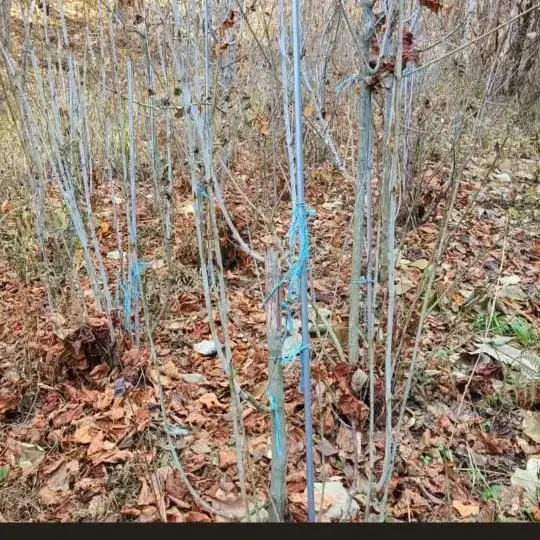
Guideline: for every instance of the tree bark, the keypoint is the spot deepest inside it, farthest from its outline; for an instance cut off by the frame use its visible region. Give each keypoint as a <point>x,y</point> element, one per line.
<point>363,176</point>
<point>5,10</point>
<point>278,485</point>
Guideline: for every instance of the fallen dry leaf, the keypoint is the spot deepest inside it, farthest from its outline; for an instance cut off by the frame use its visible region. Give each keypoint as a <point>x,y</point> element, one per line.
<point>321,502</point>
<point>210,401</point>
<point>491,443</point>
<point>170,369</point>
<point>357,411</point>
<point>31,455</point>
<point>421,264</point>
<point>116,413</point>
<point>97,506</point>
<point>90,486</point>
<point>466,510</point>
<point>342,505</point>
<point>104,228</point>
<point>404,286</point>
<point>51,497</point>
<point>227,457</point>
<point>85,434</point>
<point>197,517</point>
<point>528,480</point>
<point>98,444</point>
<point>114,456</point>
<point>201,447</point>
<point>411,503</point>
<point>327,449</point>
<point>105,399</point>
<point>176,489</point>
<point>61,478</point>
<point>232,506</point>
<point>531,425</point>
<point>146,495</point>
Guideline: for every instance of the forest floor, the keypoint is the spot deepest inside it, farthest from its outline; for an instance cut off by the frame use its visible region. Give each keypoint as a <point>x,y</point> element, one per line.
<point>83,439</point>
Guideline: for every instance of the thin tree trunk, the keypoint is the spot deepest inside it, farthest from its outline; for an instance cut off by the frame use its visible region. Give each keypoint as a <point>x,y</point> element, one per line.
<point>278,485</point>
<point>363,177</point>
<point>517,48</point>
<point>395,127</point>
<point>5,10</point>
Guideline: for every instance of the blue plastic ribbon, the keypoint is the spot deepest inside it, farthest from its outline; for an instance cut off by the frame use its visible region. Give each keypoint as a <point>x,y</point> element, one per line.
<point>131,293</point>
<point>362,281</point>
<point>297,235</point>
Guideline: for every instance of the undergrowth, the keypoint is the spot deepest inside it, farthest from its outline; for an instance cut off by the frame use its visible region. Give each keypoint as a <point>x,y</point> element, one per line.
<point>508,326</point>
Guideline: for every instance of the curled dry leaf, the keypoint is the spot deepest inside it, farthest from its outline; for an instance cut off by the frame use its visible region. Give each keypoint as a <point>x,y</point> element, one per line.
<point>230,20</point>
<point>357,411</point>
<point>358,382</point>
<point>146,495</point>
<point>411,503</point>
<point>491,443</point>
<point>176,489</point>
<point>111,456</point>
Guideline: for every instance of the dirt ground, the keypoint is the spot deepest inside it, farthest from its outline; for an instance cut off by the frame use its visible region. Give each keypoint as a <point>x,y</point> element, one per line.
<point>82,431</point>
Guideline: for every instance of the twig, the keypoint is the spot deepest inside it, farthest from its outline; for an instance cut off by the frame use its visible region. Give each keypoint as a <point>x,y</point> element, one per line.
<point>473,41</point>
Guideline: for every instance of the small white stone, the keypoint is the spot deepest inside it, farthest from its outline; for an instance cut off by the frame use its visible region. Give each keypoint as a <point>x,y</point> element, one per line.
<point>174,325</point>
<point>156,264</point>
<point>205,348</point>
<point>358,381</point>
<point>339,503</point>
<point>510,280</point>
<point>332,205</point>
<point>177,431</point>
<point>114,255</point>
<point>421,264</point>
<point>194,378</point>
<point>528,479</point>
<point>501,177</point>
